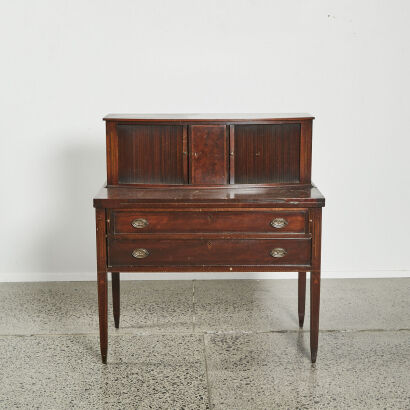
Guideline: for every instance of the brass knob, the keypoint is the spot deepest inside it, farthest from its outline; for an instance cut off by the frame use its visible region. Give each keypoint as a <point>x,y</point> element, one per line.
<point>278,223</point>
<point>140,253</point>
<point>139,223</point>
<point>278,252</point>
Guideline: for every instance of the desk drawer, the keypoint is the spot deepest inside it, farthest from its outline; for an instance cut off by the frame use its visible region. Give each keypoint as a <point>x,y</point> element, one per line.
<point>193,252</point>
<point>280,221</point>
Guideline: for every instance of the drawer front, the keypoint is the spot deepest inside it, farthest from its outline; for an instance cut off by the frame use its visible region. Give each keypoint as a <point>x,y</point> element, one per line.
<point>209,221</point>
<point>192,252</point>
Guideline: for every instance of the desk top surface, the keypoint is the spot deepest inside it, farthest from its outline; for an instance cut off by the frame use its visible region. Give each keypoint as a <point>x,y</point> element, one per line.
<point>228,117</point>
<point>280,196</point>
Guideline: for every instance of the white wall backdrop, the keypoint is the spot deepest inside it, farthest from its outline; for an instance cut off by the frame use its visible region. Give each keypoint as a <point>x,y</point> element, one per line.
<point>64,64</point>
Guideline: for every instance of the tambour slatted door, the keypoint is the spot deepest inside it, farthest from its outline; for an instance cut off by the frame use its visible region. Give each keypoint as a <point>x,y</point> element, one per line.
<point>151,154</point>
<point>267,153</point>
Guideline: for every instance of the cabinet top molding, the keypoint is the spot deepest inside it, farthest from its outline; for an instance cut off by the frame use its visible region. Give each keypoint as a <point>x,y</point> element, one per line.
<point>218,117</point>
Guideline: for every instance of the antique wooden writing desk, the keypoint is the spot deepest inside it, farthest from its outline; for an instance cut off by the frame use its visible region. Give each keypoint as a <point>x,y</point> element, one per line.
<point>209,193</point>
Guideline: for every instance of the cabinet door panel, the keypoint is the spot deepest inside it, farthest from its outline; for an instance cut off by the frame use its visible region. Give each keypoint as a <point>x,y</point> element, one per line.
<point>208,154</point>
<point>266,153</point>
<point>151,154</point>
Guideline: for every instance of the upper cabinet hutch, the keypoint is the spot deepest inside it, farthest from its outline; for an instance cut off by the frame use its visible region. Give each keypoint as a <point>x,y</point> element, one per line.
<point>209,193</point>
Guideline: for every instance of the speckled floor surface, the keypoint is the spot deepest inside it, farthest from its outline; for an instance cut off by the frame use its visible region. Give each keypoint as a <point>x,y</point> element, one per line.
<point>205,344</point>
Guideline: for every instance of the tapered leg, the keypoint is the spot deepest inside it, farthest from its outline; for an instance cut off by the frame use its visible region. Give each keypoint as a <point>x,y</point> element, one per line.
<point>115,277</point>
<point>301,297</point>
<point>314,313</point>
<point>103,313</point>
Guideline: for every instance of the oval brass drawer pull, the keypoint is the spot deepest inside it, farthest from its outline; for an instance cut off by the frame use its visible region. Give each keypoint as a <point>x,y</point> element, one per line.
<point>139,223</point>
<point>278,252</point>
<point>140,253</point>
<point>278,223</point>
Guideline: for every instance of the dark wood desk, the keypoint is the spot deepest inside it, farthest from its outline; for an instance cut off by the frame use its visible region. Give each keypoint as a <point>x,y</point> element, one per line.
<point>209,193</point>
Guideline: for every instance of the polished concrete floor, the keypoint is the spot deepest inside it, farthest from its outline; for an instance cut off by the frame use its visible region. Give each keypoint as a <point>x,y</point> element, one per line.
<point>205,344</point>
